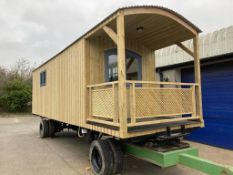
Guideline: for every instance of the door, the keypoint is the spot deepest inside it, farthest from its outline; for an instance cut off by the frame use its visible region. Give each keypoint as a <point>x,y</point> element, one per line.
<point>217,94</point>
<point>133,65</point>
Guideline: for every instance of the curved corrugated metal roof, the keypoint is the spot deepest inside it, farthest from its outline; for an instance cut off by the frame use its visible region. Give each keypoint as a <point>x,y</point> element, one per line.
<point>125,8</point>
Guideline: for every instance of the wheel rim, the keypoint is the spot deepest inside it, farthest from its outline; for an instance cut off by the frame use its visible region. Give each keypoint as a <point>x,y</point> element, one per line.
<point>96,160</point>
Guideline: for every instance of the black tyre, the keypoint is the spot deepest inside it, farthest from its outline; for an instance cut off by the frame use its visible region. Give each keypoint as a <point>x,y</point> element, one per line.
<point>118,156</point>
<point>44,128</point>
<point>52,128</point>
<point>101,158</point>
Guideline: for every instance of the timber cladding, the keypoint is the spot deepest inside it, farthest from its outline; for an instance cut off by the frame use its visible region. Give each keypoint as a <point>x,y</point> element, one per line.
<point>63,97</point>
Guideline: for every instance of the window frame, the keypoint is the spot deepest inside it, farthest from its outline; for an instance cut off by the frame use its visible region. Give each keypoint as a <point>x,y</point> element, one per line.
<point>43,78</point>
<point>127,52</point>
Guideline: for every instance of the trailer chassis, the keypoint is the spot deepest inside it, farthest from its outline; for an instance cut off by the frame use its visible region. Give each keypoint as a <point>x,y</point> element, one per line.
<point>165,150</point>
<point>185,156</point>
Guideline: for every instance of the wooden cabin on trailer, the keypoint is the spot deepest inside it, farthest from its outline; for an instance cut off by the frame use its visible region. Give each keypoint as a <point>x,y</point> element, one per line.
<point>104,82</point>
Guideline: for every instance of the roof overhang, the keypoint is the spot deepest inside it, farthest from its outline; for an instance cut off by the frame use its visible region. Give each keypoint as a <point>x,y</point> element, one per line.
<point>159,26</point>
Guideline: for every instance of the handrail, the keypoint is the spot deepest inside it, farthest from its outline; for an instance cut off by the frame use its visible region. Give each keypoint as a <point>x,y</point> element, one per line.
<point>102,84</point>
<point>163,83</point>
<point>144,82</point>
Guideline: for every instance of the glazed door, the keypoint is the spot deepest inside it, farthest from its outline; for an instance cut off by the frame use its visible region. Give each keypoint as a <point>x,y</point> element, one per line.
<point>133,66</point>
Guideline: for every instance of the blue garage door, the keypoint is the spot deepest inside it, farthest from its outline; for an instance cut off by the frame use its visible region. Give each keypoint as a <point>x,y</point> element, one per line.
<point>217,94</point>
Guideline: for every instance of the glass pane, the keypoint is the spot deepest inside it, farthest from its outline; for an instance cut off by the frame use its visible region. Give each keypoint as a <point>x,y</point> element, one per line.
<point>133,66</point>
<point>112,67</point>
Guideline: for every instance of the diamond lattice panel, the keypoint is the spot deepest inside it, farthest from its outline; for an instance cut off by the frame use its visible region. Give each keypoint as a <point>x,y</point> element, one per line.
<point>162,101</point>
<point>103,103</point>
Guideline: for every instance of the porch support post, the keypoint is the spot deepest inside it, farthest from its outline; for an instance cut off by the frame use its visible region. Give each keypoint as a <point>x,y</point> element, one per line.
<point>121,74</point>
<point>197,77</point>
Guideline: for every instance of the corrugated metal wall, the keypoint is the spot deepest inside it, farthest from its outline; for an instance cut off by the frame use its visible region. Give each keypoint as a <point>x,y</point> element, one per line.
<point>211,44</point>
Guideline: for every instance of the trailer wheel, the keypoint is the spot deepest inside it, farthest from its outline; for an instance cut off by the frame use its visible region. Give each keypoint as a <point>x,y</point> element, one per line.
<point>117,156</point>
<point>101,157</point>
<point>52,128</point>
<point>44,128</point>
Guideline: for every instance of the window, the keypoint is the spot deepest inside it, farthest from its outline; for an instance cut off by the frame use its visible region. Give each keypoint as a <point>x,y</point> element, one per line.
<point>43,78</point>
<point>112,73</point>
<point>133,65</point>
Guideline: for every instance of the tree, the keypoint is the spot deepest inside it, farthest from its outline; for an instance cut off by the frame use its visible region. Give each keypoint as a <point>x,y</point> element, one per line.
<point>3,77</point>
<point>16,86</point>
<point>17,94</point>
<point>21,70</point>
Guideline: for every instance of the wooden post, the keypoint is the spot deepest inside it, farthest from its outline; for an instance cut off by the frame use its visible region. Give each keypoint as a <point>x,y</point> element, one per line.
<point>90,103</point>
<point>197,71</point>
<point>121,74</point>
<point>87,80</point>
<point>194,104</point>
<point>132,103</point>
<point>115,118</point>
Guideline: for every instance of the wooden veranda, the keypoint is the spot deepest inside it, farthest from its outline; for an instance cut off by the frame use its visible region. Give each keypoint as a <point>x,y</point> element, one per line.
<point>131,104</point>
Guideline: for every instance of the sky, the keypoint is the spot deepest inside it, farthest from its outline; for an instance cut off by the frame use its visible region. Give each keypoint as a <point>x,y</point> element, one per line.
<point>38,29</point>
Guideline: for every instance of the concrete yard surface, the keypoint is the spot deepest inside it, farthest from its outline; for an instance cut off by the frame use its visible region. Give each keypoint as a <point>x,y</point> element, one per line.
<point>22,152</point>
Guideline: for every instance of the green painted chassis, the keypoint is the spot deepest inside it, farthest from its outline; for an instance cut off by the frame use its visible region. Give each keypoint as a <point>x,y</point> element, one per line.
<point>185,156</point>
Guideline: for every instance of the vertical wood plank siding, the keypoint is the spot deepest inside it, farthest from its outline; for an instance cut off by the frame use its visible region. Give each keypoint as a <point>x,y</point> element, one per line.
<point>63,98</point>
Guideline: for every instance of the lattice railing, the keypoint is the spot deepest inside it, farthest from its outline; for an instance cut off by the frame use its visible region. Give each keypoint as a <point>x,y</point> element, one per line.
<point>103,103</point>
<point>147,102</point>
<point>160,99</point>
